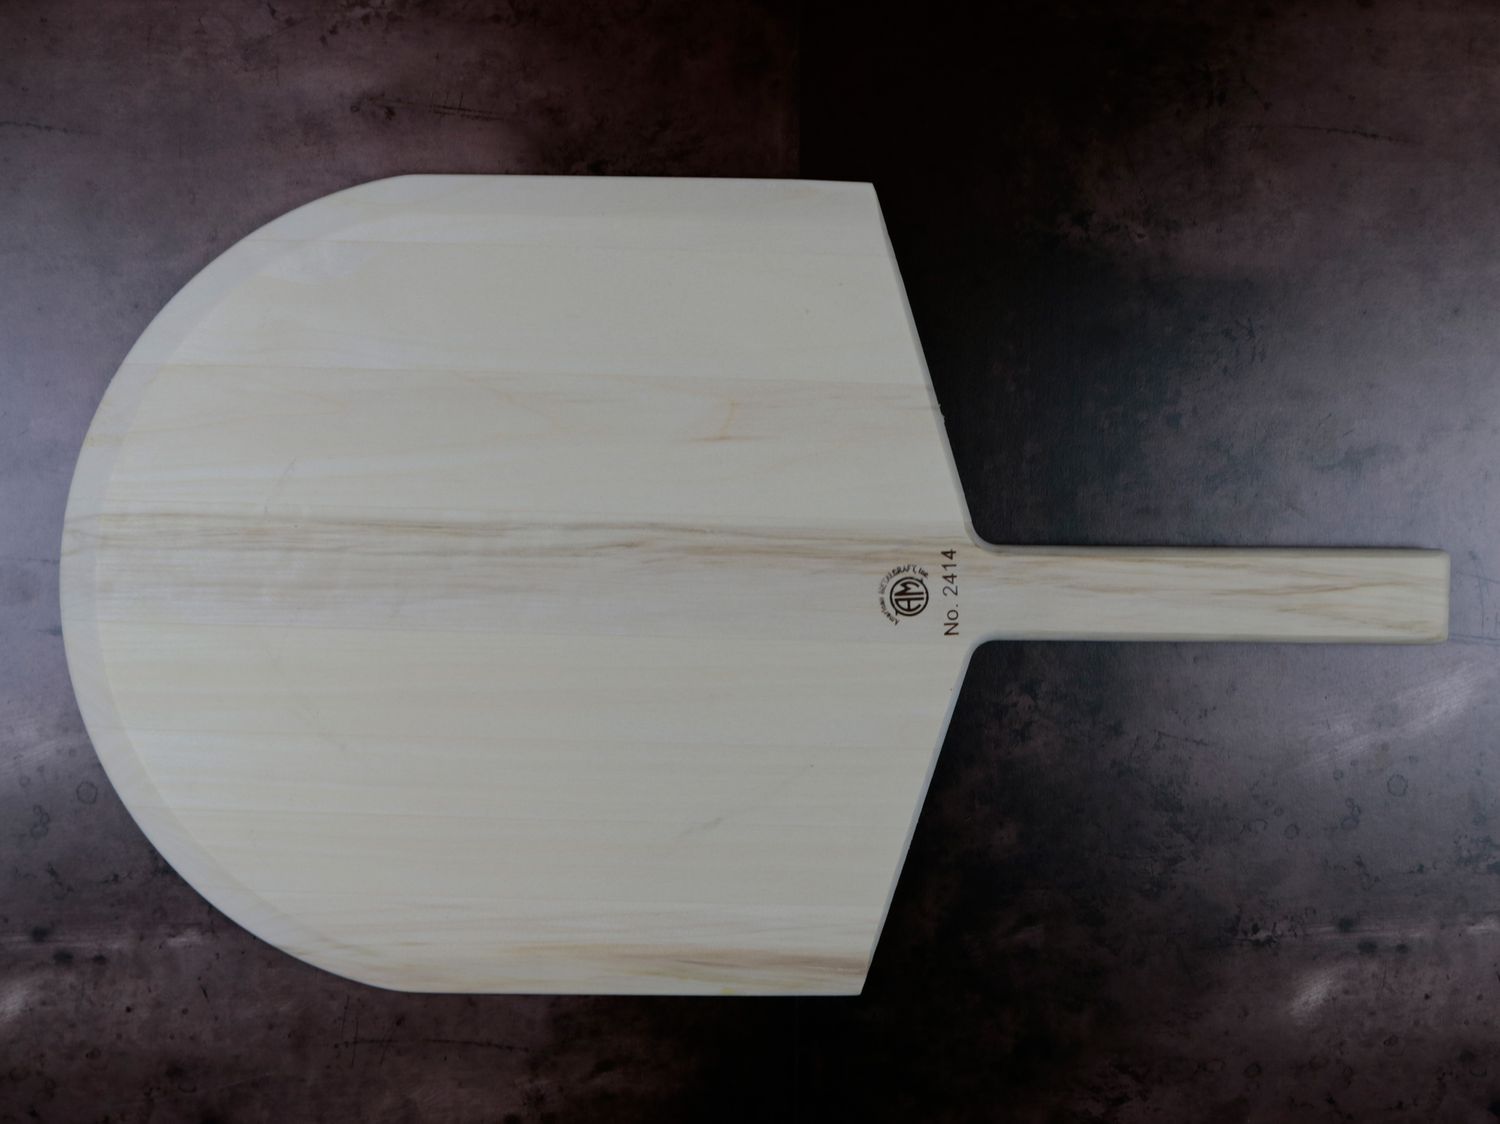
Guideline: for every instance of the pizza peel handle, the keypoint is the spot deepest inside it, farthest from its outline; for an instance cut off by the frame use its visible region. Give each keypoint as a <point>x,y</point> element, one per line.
<point>1331,596</point>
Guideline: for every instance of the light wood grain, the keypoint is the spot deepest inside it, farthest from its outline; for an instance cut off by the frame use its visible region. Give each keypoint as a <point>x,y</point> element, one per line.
<point>1329,596</point>
<point>490,584</point>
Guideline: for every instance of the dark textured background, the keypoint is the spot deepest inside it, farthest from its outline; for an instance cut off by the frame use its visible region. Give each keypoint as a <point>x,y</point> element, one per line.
<point>1215,273</point>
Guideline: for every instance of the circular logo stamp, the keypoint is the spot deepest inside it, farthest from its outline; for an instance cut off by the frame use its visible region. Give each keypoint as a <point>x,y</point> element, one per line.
<point>903,593</point>
<point>908,596</point>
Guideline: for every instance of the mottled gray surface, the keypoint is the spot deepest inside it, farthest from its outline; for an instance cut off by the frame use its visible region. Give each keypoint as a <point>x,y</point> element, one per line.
<point>1186,273</point>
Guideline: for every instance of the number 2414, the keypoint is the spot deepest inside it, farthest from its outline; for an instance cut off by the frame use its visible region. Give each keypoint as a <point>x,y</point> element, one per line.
<point>950,589</point>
